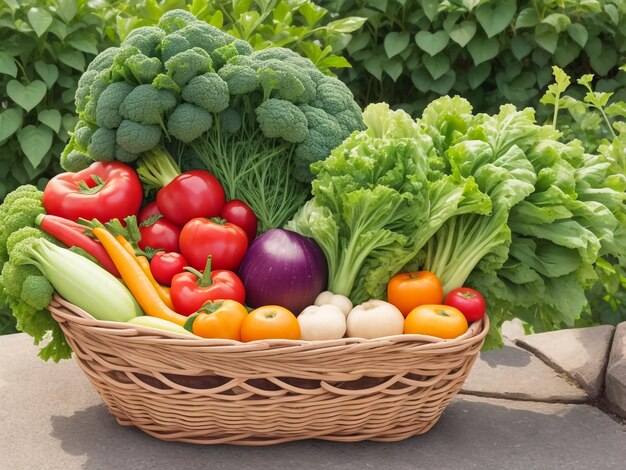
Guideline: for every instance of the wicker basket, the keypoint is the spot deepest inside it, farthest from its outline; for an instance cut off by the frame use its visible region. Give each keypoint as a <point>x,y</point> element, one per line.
<point>209,391</point>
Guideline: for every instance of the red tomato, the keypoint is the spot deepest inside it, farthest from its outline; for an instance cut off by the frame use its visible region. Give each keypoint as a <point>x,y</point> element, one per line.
<point>159,233</point>
<point>148,211</point>
<point>165,266</point>
<point>469,301</point>
<point>191,194</point>
<point>201,238</point>
<point>103,191</point>
<point>239,213</point>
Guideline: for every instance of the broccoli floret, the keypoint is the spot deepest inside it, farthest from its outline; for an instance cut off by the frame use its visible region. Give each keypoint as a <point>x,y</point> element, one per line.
<point>205,36</point>
<point>171,45</point>
<point>81,97</point>
<point>188,122</point>
<point>82,135</point>
<point>135,137</point>
<point>19,209</point>
<point>108,107</point>
<point>186,65</point>
<point>13,276</point>
<point>99,84</point>
<point>104,60</point>
<point>241,79</point>
<point>74,160</point>
<point>165,82</point>
<point>146,39</point>
<point>230,120</point>
<point>325,133</point>
<point>280,118</point>
<point>223,54</point>
<point>143,68</point>
<point>102,145</point>
<point>125,156</point>
<point>208,91</point>
<point>37,291</point>
<point>334,97</point>
<point>174,20</point>
<point>146,105</point>
<point>24,233</point>
<point>282,82</point>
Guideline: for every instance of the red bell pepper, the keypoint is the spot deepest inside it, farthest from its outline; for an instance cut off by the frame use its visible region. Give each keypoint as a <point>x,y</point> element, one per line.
<point>192,289</point>
<point>72,234</point>
<point>103,191</point>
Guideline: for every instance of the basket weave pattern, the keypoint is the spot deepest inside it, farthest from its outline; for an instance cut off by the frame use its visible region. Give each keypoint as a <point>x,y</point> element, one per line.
<point>211,391</point>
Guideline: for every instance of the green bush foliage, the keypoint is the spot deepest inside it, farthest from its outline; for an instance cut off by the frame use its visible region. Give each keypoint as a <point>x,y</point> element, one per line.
<point>489,51</point>
<point>44,48</point>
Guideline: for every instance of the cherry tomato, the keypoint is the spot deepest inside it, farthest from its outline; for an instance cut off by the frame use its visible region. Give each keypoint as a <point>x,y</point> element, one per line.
<point>192,194</point>
<point>408,290</point>
<point>159,233</point>
<point>148,211</point>
<point>441,321</point>
<point>225,242</point>
<point>469,301</point>
<point>219,319</point>
<point>165,265</point>
<point>239,213</point>
<point>270,322</point>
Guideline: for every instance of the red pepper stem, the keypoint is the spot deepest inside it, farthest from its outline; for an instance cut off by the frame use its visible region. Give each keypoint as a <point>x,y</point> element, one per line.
<point>84,188</point>
<point>204,278</point>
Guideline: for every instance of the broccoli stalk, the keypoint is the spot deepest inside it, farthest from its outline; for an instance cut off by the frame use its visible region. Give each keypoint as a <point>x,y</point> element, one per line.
<point>157,168</point>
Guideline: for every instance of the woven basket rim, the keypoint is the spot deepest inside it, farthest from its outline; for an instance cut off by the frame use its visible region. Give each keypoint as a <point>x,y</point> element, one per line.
<point>476,332</point>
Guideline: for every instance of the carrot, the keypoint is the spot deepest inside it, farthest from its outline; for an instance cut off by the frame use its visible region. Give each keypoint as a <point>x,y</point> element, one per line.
<point>144,264</point>
<point>136,280</point>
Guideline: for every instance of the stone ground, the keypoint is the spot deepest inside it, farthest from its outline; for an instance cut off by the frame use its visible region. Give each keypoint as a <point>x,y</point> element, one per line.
<point>515,412</point>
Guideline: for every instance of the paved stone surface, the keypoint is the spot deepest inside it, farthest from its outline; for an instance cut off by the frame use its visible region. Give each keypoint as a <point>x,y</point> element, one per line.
<point>581,353</point>
<point>514,373</point>
<point>51,419</point>
<point>616,372</point>
<point>513,329</point>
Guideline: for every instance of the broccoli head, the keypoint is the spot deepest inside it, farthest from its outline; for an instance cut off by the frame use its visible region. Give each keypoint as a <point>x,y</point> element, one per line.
<point>203,35</point>
<point>187,64</point>
<point>81,96</point>
<point>165,82</point>
<point>125,156</point>
<point>208,91</point>
<point>19,209</point>
<point>222,55</point>
<point>74,160</point>
<point>98,85</point>
<point>283,119</point>
<point>146,39</point>
<point>136,138</point>
<point>188,122</point>
<point>102,145</point>
<point>104,60</point>
<point>108,106</point>
<point>173,20</point>
<point>37,291</point>
<point>146,104</point>
<point>82,135</point>
<point>143,68</point>
<point>171,45</point>
<point>230,121</point>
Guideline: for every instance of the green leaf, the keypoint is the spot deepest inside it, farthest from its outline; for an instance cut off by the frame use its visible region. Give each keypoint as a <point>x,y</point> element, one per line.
<point>312,13</point>
<point>373,65</point>
<point>478,74</point>
<point>84,42</point>
<point>578,33</point>
<point>546,37</point>
<point>10,121</point>
<point>35,142</point>
<point>431,8</point>
<point>482,49</point>
<point>51,118</point>
<point>48,72</point>
<point>346,25</point>
<point>432,43</point>
<point>59,29</point>
<point>393,68</point>
<point>358,42</point>
<point>39,19</point>
<point>617,109</point>
<point>445,83</point>
<point>27,96</point>
<point>602,63</point>
<point>74,59</point>
<point>7,65</point>
<point>611,10</point>
<point>12,4</point>
<point>333,62</point>
<point>558,21</point>
<point>527,18</point>
<point>437,66</point>
<point>421,79</point>
<point>520,47</point>
<point>495,17</point>
<point>395,43</point>
<point>463,32</point>
<point>566,53</point>
<point>216,19</point>
<point>67,9</point>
